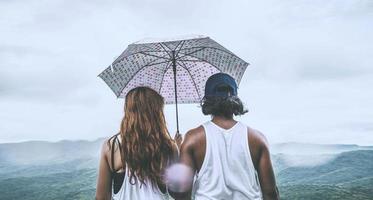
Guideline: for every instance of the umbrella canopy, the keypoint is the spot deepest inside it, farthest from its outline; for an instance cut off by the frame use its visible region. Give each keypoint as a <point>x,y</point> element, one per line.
<point>177,69</point>
<point>149,63</point>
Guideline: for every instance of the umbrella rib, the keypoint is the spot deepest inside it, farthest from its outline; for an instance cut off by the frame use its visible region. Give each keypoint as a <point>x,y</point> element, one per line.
<point>151,51</point>
<point>225,51</point>
<point>181,46</point>
<point>162,45</point>
<point>202,48</point>
<point>160,57</point>
<point>132,54</point>
<point>202,60</point>
<point>107,83</point>
<point>164,73</point>
<point>194,82</point>
<point>147,46</point>
<point>147,65</point>
<point>191,60</point>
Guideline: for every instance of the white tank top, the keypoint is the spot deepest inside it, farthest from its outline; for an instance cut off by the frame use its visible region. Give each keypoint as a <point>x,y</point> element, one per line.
<point>129,191</point>
<point>135,192</point>
<point>227,171</point>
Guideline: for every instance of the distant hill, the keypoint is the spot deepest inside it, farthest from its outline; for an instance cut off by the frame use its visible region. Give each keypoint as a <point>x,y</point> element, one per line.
<point>348,175</point>
<point>312,149</point>
<point>68,170</point>
<point>347,167</point>
<point>42,170</point>
<point>40,152</point>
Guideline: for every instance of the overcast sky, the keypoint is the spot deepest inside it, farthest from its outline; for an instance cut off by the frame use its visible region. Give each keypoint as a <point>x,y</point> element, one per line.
<point>310,78</point>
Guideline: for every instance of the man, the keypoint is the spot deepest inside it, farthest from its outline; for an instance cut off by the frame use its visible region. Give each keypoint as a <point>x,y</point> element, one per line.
<point>231,160</point>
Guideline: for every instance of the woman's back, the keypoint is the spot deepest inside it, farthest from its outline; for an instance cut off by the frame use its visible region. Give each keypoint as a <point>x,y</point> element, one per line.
<point>139,192</point>
<point>133,162</point>
<point>122,188</point>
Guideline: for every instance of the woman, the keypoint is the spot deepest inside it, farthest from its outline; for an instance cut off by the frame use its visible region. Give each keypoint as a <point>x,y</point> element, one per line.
<point>133,161</point>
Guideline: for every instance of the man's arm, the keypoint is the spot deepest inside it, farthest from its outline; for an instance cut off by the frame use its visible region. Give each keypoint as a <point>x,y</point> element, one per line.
<point>187,159</point>
<point>262,161</point>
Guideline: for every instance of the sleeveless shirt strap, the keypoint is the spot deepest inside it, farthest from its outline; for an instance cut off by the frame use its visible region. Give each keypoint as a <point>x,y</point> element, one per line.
<point>112,155</point>
<point>120,152</point>
<point>119,145</point>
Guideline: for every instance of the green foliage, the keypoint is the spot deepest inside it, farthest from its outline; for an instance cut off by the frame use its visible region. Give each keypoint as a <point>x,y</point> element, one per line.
<point>348,176</point>
<point>325,192</point>
<point>346,167</point>
<point>78,184</point>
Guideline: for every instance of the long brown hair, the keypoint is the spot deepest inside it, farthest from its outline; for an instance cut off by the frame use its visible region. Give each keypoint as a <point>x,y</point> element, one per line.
<point>147,145</point>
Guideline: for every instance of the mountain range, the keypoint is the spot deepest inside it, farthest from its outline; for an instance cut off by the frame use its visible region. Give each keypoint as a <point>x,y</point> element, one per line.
<point>68,170</point>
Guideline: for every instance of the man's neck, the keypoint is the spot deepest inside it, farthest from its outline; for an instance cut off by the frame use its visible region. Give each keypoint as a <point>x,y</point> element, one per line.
<point>224,122</point>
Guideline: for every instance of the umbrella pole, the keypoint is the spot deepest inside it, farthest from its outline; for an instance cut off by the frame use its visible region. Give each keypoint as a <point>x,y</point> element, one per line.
<point>175,86</point>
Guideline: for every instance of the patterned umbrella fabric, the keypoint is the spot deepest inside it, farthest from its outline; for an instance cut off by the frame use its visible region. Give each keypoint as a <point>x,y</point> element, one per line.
<point>155,63</point>
<point>176,69</point>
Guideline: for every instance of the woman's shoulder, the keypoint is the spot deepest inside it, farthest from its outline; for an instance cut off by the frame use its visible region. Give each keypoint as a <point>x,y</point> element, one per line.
<point>108,143</point>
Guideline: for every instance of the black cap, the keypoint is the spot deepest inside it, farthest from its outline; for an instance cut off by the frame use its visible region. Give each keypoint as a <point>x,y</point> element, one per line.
<point>218,80</point>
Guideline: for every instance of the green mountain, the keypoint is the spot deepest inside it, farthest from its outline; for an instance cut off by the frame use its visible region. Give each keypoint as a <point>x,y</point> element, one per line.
<point>346,167</point>
<point>348,176</point>
<point>68,170</point>
<point>76,184</point>
<point>43,153</point>
<point>312,149</point>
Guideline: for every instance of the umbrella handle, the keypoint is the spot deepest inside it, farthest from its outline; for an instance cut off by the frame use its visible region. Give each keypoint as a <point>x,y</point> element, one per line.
<point>175,87</point>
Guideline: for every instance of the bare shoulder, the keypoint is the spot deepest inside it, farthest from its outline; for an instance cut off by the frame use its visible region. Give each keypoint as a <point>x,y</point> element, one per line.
<point>107,145</point>
<point>257,144</point>
<point>194,137</point>
<point>192,150</point>
<point>256,138</point>
<point>195,133</point>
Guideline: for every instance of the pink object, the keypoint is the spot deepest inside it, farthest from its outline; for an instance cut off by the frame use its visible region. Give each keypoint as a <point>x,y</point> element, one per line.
<point>179,178</point>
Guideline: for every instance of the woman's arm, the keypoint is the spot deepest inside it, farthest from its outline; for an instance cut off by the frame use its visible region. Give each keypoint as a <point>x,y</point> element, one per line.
<point>103,191</point>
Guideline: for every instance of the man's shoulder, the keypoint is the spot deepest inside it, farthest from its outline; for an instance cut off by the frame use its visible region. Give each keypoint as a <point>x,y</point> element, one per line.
<point>257,144</point>
<point>256,136</point>
<point>194,136</point>
<point>195,133</point>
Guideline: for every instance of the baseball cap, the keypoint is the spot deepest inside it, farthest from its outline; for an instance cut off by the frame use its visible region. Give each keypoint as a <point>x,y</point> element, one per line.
<point>218,80</point>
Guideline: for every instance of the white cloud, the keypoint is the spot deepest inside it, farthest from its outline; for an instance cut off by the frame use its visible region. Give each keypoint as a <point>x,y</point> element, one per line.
<point>309,80</point>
